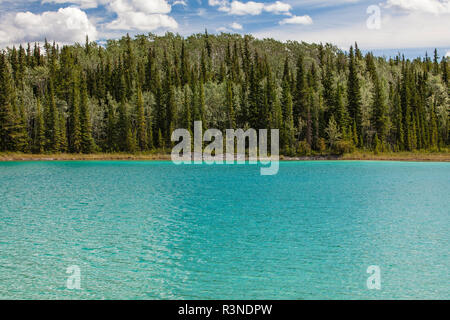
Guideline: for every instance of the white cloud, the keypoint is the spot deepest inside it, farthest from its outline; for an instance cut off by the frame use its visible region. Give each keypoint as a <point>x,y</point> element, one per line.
<point>414,30</point>
<point>278,7</point>
<point>297,20</point>
<point>214,3</point>
<point>141,15</point>
<point>223,29</point>
<point>236,26</point>
<point>251,7</point>
<point>447,54</point>
<point>84,4</point>
<point>144,6</point>
<point>240,8</point>
<point>179,2</point>
<point>428,6</point>
<point>233,26</point>
<point>142,22</point>
<point>66,25</point>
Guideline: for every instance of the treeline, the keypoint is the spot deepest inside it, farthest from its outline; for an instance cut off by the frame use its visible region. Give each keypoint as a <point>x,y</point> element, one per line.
<point>131,94</point>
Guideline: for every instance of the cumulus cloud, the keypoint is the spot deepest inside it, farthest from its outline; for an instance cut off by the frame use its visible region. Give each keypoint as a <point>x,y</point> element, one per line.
<point>251,7</point>
<point>179,2</point>
<point>428,6</point>
<point>141,15</point>
<point>66,25</point>
<point>297,20</point>
<point>236,26</point>
<point>84,4</point>
<point>215,3</point>
<point>233,26</point>
<point>414,30</point>
<point>278,7</point>
<point>240,8</point>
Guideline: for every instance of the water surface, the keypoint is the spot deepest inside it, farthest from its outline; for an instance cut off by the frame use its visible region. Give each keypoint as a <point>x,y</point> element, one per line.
<point>153,230</point>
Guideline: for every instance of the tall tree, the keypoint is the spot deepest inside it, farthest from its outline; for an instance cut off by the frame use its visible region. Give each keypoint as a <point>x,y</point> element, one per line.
<point>87,142</point>
<point>141,122</point>
<point>354,94</point>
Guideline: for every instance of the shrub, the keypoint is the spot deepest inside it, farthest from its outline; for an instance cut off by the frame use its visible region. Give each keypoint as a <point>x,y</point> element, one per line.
<point>343,146</point>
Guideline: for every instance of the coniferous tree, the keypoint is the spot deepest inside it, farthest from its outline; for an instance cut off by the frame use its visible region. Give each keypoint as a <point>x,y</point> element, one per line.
<point>52,120</point>
<point>379,111</point>
<point>87,142</point>
<point>230,106</point>
<point>11,131</point>
<point>141,123</point>
<point>110,127</point>
<point>288,134</point>
<point>74,119</point>
<point>73,98</point>
<point>40,129</point>
<point>341,111</point>
<point>301,92</point>
<point>444,70</point>
<point>354,96</point>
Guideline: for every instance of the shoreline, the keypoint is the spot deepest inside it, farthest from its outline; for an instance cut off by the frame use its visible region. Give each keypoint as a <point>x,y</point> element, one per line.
<point>361,156</point>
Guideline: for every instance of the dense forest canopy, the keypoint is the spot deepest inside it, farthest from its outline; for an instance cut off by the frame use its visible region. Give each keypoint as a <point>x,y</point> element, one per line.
<point>131,94</point>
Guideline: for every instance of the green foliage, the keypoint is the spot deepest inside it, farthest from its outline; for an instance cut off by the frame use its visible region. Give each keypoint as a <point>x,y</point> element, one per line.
<point>130,95</point>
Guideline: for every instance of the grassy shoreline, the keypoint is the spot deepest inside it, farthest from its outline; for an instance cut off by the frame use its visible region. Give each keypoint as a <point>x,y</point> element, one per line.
<point>358,155</point>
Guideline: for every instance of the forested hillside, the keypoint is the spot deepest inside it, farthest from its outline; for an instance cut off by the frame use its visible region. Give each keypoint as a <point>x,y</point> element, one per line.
<point>131,94</point>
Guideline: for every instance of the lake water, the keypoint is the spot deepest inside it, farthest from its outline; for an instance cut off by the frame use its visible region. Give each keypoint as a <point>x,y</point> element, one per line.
<point>153,230</point>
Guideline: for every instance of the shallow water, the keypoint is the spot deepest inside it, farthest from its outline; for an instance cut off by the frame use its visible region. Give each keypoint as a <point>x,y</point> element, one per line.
<point>153,230</point>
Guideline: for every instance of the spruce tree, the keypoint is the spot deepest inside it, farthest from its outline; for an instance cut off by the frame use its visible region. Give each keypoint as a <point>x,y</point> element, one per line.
<point>300,93</point>
<point>354,95</point>
<point>141,123</point>
<point>87,142</point>
<point>40,129</point>
<point>379,111</point>
<point>52,120</point>
<point>288,133</point>
<point>230,106</point>
<point>75,144</point>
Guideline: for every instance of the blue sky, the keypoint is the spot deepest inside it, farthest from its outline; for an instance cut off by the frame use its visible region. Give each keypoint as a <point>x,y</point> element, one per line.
<point>385,27</point>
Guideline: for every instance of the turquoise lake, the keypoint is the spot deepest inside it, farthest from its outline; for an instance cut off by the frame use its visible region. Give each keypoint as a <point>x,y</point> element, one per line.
<point>154,230</point>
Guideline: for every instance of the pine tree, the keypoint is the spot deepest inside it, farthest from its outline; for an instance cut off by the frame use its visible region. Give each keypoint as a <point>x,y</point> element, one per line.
<point>184,65</point>
<point>341,110</point>
<point>182,80</point>
<point>444,70</point>
<point>52,120</point>
<point>288,134</point>
<point>436,63</point>
<point>230,106</point>
<point>309,124</point>
<point>301,92</point>
<point>123,128</point>
<point>328,94</point>
<point>150,72</point>
<point>434,135</point>
<point>161,143</point>
<point>379,110</point>
<point>10,128</point>
<point>141,123</point>
<point>354,95</point>
<point>74,119</point>
<point>87,142</point>
<point>110,128</point>
<point>62,133</point>
<point>40,129</point>
<point>400,137</point>
<point>150,132</point>
<point>187,114</point>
